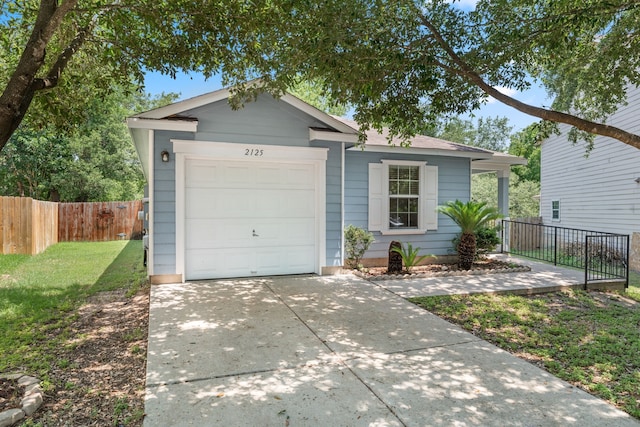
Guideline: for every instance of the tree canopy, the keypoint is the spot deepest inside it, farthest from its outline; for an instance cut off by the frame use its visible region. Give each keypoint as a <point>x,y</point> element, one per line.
<point>491,133</point>
<point>399,63</point>
<point>94,161</point>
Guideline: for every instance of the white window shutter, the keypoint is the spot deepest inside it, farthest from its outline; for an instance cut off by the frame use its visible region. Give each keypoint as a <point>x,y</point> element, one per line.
<point>376,198</point>
<point>430,184</point>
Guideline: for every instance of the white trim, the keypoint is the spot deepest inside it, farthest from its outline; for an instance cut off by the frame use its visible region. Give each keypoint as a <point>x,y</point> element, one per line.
<point>323,135</point>
<point>226,150</point>
<point>559,219</point>
<point>402,163</point>
<point>420,151</point>
<point>152,218</point>
<point>159,124</point>
<point>217,151</point>
<point>318,114</point>
<point>187,104</point>
<point>394,232</point>
<point>342,170</point>
<point>180,214</point>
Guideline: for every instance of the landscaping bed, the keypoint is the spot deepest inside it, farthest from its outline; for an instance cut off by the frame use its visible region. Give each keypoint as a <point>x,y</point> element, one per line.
<point>480,267</point>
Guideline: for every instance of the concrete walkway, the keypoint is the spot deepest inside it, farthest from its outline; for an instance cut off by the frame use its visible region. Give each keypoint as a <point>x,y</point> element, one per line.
<point>542,277</point>
<point>338,351</point>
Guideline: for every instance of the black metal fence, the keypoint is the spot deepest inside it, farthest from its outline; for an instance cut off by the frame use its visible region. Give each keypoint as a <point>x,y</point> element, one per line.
<point>602,256</point>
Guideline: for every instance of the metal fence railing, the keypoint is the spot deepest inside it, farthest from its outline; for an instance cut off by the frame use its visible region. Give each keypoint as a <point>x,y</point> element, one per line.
<point>602,256</point>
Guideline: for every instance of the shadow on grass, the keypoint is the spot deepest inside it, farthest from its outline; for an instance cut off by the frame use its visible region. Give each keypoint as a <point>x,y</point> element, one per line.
<point>42,293</point>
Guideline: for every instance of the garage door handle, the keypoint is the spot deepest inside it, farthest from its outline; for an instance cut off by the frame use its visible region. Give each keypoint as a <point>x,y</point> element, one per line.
<point>254,234</point>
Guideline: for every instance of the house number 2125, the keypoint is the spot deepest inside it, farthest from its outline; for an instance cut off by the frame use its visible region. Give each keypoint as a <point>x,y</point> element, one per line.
<point>253,152</point>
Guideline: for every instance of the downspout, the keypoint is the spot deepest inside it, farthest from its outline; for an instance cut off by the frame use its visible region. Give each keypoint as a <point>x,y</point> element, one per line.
<point>342,166</point>
<point>151,258</point>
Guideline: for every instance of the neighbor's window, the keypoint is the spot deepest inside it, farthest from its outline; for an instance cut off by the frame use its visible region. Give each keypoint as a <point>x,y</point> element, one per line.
<point>555,210</point>
<point>404,196</point>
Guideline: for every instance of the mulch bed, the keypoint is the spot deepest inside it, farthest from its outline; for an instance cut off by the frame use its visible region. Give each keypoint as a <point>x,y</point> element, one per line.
<point>484,266</point>
<point>100,375</point>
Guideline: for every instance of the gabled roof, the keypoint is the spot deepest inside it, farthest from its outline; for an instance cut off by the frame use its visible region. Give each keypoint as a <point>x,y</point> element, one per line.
<point>175,111</point>
<point>176,117</point>
<point>381,139</point>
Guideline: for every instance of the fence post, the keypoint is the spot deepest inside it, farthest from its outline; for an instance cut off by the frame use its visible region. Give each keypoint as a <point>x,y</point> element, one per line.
<point>555,245</point>
<point>626,282</point>
<point>586,261</point>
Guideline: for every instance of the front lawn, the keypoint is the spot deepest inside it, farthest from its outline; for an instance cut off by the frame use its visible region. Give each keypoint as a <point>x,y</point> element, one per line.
<point>51,309</point>
<point>589,339</point>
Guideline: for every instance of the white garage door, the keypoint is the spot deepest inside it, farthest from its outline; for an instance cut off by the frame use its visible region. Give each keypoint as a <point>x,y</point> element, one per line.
<point>249,219</point>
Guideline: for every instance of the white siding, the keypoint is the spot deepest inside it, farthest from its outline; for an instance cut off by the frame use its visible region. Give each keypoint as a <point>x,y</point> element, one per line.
<point>598,191</point>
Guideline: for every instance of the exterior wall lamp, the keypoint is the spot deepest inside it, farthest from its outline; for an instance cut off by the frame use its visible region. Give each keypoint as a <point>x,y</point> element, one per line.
<point>164,156</point>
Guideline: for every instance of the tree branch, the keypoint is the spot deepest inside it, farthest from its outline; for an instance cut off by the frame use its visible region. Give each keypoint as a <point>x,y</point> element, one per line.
<point>19,92</point>
<point>465,71</point>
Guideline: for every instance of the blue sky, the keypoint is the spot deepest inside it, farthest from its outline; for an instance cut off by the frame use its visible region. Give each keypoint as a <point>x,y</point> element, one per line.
<point>190,85</point>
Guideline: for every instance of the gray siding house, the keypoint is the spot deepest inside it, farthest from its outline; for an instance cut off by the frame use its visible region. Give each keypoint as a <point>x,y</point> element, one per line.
<point>599,191</point>
<point>269,188</point>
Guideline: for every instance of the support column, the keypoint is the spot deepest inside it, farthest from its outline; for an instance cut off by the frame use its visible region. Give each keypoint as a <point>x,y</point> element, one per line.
<point>503,192</point>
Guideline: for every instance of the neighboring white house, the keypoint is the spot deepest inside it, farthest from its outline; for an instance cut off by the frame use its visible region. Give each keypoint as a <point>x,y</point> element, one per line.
<point>599,190</point>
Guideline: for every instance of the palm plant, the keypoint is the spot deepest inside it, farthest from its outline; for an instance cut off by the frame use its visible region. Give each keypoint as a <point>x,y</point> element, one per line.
<point>468,216</point>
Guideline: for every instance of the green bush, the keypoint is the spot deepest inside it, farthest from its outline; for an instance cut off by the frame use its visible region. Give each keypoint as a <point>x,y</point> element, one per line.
<point>409,256</point>
<point>357,241</point>
<point>487,238</point>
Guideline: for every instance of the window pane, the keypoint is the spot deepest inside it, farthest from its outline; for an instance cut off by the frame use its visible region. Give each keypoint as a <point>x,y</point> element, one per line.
<point>404,191</point>
<point>403,212</point>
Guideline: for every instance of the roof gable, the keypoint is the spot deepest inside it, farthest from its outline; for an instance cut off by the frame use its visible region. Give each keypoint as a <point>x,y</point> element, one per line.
<point>175,110</point>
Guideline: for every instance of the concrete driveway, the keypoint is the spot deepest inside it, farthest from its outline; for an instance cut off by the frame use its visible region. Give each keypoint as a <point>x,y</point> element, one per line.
<point>337,351</point>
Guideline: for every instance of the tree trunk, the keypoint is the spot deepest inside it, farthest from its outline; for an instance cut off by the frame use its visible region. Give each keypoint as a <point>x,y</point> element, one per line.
<point>466,250</point>
<point>23,84</point>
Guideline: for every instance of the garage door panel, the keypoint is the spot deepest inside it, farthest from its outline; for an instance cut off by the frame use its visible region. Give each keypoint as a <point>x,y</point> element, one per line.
<point>211,263</point>
<point>238,175</point>
<point>216,203</point>
<point>202,233</point>
<point>299,231</point>
<point>295,259</point>
<point>300,176</point>
<point>201,174</point>
<point>299,203</point>
<point>276,200</point>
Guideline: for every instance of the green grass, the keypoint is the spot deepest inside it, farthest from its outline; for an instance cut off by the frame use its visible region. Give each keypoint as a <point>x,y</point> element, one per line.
<point>574,335</point>
<point>39,295</point>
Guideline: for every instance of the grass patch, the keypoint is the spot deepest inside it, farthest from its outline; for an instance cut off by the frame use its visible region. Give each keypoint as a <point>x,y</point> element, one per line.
<point>39,295</point>
<point>589,339</point>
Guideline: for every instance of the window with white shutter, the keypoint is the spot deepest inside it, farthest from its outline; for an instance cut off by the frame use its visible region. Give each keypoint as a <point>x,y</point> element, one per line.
<point>403,197</point>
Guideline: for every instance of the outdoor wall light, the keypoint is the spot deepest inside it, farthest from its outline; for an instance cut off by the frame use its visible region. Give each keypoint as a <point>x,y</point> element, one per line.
<point>637,180</point>
<point>164,156</point>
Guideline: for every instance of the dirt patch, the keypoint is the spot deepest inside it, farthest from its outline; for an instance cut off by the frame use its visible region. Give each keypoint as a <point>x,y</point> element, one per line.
<point>10,394</point>
<point>99,375</point>
<point>486,266</point>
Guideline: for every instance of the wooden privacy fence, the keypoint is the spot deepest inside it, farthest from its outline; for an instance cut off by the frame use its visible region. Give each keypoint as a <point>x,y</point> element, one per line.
<point>99,221</point>
<point>27,226</point>
<point>522,236</point>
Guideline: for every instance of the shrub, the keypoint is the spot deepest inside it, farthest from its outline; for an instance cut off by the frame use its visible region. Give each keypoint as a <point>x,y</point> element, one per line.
<point>409,256</point>
<point>357,241</point>
<point>486,240</point>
